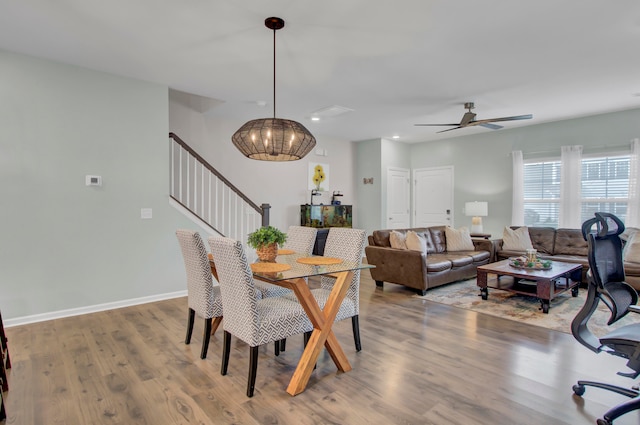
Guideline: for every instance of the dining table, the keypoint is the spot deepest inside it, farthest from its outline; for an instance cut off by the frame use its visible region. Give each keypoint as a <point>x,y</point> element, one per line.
<point>292,270</point>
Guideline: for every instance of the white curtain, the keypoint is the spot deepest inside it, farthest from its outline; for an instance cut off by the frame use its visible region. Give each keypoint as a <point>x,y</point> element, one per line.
<point>633,210</point>
<point>517,203</point>
<point>570,187</point>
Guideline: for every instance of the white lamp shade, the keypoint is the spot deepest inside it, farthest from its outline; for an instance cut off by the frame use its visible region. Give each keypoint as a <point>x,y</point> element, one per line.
<point>476,209</point>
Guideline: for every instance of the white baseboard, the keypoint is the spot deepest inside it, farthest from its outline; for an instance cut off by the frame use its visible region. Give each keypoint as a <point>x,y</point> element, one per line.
<point>91,309</point>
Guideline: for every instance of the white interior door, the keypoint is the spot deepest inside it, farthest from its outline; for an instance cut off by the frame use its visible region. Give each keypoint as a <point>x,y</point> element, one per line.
<point>398,200</point>
<point>433,197</point>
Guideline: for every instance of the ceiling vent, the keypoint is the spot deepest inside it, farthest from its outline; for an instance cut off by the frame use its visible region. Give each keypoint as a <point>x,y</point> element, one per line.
<point>331,111</point>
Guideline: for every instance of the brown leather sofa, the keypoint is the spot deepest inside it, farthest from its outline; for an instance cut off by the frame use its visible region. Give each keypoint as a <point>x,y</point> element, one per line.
<point>419,270</point>
<point>566,245</point>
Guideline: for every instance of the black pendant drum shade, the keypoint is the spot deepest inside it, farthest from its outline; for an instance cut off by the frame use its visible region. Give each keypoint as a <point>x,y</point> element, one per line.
<point>273,139</point>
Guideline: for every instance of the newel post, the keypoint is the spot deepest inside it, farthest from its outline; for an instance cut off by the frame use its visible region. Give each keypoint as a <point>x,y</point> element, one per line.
<point>265,214</point>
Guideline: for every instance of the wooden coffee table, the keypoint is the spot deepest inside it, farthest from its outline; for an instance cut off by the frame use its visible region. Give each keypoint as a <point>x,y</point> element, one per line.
<point>544,284</point>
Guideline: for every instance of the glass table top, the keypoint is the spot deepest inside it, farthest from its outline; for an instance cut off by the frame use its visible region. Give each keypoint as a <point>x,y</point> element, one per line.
<point>300,270</point>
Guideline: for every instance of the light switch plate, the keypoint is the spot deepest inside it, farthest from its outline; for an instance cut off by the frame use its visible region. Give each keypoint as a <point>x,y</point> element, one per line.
<point>93,180</point>
<point>146,213</point>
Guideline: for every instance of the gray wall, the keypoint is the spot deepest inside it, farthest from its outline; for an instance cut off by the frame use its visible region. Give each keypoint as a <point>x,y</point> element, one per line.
<point>369,196</point>
<point>283,185</point>
<point>373,158</point>
<point>66,245</point>
<point>482,163</point>
<point>68,248</point>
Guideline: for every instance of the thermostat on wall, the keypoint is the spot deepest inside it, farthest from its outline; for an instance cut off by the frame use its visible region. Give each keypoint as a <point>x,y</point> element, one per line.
<point>93,180</point>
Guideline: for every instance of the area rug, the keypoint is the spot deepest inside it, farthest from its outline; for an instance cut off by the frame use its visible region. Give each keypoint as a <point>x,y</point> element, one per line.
<point>522,308</point>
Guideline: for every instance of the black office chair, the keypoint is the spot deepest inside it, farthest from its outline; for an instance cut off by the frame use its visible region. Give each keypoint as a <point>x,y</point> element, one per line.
<point>606,284</point>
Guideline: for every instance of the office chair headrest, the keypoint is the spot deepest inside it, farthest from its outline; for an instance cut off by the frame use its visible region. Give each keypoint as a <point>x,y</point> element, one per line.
<point>607,225</point>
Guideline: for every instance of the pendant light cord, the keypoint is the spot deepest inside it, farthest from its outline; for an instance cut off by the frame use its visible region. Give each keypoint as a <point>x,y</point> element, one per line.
<point>273,139</point>
<point>274,74</point>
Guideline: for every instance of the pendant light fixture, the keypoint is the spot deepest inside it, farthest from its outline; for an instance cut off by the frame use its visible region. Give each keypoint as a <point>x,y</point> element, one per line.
<point>273,139</point>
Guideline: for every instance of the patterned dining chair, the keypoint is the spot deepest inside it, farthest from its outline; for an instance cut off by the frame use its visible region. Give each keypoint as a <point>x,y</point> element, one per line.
<point>203,297</point>
<point>268,290</point>
<point>301,239</point>
<point>252,320</point>
<point>347,244</point>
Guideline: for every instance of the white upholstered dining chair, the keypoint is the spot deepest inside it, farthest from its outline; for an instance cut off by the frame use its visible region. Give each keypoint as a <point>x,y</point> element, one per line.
<point>301,239</point>
<point>203,297</point>
<point>348,244</point>
<point>250,319</point>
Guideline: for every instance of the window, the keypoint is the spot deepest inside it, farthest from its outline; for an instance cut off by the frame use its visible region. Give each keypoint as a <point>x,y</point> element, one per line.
<point>605,186</point>
<point>542,193</point>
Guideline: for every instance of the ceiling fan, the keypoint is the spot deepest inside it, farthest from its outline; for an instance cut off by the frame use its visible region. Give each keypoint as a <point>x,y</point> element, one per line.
<point>468,120</point>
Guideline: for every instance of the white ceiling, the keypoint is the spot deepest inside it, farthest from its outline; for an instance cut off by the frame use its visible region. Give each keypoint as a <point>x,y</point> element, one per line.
<point>395,63</point>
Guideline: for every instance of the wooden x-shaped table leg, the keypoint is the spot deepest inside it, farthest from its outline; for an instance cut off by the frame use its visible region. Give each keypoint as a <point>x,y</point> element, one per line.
<point>322,320</point>
<point>322,334</point>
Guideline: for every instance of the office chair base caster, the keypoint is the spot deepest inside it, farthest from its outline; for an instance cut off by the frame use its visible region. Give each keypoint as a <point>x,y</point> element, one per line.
<point>616,411</point>
<point>579,388</point>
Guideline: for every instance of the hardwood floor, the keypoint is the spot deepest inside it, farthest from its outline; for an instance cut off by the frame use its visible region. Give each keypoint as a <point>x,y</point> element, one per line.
<point>421,363</point>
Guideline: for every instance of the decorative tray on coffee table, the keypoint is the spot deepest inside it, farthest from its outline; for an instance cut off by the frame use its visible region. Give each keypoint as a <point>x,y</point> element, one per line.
<point>525,264</point>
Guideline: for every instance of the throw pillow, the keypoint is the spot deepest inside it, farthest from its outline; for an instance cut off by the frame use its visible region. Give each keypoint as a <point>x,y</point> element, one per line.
<point>416,242</point>
<point>397,240</point>
<point>631,251</point>
<point>458,240</point>
<point>516,239</point>
<point>628,232</point>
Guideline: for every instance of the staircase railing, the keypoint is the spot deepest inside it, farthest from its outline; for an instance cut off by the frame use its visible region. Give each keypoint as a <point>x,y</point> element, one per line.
<point>208,195</point>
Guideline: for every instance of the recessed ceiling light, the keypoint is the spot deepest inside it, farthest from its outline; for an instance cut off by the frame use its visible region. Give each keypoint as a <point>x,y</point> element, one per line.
<point>315,118</point>
<point>395,136</point>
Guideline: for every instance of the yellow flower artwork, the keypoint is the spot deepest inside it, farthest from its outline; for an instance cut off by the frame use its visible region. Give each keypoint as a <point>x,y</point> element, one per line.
<point>318,177</point>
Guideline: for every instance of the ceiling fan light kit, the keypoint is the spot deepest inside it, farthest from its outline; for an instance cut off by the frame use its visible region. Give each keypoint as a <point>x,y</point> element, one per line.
<point>469,120</point>
<point>274,139</point>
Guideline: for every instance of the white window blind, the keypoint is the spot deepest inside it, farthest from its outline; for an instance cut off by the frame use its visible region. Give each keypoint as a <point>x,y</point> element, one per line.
<point>542,193</point>
<point>605,186</point>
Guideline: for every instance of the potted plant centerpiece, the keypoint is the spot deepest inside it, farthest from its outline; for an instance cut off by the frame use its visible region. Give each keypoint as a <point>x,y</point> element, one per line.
<point>266,240</point>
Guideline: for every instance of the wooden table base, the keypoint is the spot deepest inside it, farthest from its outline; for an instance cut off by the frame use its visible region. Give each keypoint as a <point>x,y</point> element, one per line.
<point>322,320</point>
<point>322,334</point>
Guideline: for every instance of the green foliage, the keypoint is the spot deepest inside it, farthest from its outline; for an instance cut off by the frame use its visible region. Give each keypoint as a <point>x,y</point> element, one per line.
<point>266,236</point>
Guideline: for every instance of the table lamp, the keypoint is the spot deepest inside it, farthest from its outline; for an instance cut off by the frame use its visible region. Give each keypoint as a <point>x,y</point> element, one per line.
<point>476,210</point>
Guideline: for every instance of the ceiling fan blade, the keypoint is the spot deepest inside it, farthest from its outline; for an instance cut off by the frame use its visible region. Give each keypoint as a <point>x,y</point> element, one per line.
<point>449,129</point>
<point>437,125</point>
<point>491,126</point>
<point>467,118</point>
<point>517,117</point>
